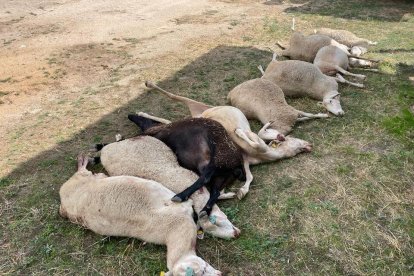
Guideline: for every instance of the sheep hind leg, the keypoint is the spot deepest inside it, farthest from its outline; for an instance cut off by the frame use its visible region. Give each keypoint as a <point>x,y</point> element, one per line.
<point>341,79</point>
<point>249,178</point>
<point>82,162</point>
<point>343,71</point>
<point>157,119</point>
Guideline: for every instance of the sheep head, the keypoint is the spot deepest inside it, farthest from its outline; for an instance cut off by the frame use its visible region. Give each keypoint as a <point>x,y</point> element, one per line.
<point>332,104</point>
<point>218,225</point>
<point>291,146</point>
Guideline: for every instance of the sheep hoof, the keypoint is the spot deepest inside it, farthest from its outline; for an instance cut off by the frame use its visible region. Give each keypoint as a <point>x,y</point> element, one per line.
<point>241,194</point>
<point>177,199</point>
<point>202,214</point>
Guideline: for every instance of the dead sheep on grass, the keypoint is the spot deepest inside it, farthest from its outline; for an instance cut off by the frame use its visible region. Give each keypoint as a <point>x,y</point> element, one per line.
<point>150,158</point>
<point>129,206</point>
<point>263,100</point>
<point>358,45</point>
<point>255,150</point>
<point>203,146</point>
<point>299,78</point>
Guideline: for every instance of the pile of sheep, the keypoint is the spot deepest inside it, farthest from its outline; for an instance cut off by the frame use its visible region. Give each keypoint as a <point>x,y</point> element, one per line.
<point>156,190</point>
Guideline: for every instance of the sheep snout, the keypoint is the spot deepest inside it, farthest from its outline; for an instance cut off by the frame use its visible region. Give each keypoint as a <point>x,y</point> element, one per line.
<point>307,148</point>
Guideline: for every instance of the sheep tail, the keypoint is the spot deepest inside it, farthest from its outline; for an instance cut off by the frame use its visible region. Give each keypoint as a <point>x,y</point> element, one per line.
<point>280,45</point>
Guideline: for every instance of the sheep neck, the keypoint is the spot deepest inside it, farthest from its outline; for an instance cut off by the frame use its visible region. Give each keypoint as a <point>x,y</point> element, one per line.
<point>181,241</point>
<point>275,154</point>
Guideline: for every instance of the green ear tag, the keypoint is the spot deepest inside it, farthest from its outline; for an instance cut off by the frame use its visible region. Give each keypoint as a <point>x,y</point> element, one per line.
<point>212,219</point>
<point>189,272</point>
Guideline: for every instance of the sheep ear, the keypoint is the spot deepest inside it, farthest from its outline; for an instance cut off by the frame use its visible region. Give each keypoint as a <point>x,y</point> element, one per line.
<point>320,103</point>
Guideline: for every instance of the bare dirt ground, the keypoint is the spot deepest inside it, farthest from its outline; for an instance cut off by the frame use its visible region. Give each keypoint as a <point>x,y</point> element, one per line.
<point>51,51</point>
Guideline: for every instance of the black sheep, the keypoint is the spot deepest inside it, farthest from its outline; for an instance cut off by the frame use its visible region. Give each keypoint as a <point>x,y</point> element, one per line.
<point>203,146</point>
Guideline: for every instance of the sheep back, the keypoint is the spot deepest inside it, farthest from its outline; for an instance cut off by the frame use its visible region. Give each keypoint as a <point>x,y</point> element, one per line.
<point>263,100</point>
<point>344,37</point>
<point>125,206</point>
<point>146,157</point>
<point>298,78</point>
<point>227,154</point>
<point>305,48</point>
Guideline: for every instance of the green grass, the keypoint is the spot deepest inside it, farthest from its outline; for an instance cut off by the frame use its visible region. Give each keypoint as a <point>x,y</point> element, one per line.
<point>346,208</point>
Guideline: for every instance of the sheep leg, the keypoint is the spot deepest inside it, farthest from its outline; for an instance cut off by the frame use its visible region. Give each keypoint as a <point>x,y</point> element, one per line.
<point>258,145</point>
<point>339,78</point>
<point>280,45</point>
<point>308,116</point>
<point>343,71</point>
<point>82,162</point>
<point>201,181</point>
<point>157,119</point>
<point>196,108</point>
<point>228,195</point>
<point>249,178</point>
<point>214,195</point>
<point>260,67</point>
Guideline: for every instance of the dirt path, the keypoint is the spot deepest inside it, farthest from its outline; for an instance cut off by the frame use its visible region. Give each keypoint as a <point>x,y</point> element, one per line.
<point>59,57</point>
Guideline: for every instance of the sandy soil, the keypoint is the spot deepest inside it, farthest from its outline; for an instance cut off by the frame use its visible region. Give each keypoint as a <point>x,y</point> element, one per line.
<point>53,53</point>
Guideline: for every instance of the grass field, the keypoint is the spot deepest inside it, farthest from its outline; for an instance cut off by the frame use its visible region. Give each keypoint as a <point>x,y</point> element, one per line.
<point>346,208</point>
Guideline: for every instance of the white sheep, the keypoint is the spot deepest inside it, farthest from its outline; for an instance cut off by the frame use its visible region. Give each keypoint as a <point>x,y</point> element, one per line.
<point>358,45</point>
<point>255,150</point>
<point>332,60</point>
<point>263,100</point>
<point>150,158</point>
<point>304,48</point>
<point>134,207</point>
<point>298,78</point>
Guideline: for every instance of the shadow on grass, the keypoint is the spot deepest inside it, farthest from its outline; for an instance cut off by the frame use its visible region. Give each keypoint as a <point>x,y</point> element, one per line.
<point>34,185</point>
<point>380,10</point>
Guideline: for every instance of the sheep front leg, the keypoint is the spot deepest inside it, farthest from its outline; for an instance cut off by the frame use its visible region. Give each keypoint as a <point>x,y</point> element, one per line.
<point>204,178</point>
<point>254,144</point>
<point>214,195</point>
<point>249,178</point>
<point>157,119</point>
<point>339,78</point>
<point>229,195</point>
<point>307,116</point>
